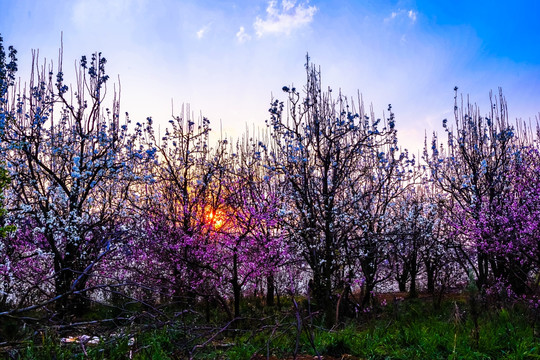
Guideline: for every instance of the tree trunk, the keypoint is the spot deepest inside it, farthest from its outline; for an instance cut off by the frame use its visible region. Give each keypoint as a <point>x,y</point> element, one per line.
<point>402,280</point>
<point>368,295</point>
<point>327,301</point>
<point>413,272</point>
<point>370,271</point>
<point>270,290</point>
<point>413,293</point>
<point>430,274</point>
<point>483,268</point>
<point>236,286</point>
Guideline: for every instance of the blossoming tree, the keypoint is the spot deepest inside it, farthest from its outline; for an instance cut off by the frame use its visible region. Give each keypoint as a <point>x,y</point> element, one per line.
<point>70,160</point>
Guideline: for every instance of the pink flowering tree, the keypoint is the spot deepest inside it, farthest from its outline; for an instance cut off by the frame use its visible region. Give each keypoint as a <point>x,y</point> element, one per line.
<point>25,267</point>
<point>206,223</point>
<point>476,170</point>
<point>513,224</point>
<point>524,208</point>
<point>171,235</point>
<point>249,242</point>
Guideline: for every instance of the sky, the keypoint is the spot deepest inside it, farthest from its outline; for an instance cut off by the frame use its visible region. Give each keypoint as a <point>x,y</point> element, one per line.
<point>227,59</point>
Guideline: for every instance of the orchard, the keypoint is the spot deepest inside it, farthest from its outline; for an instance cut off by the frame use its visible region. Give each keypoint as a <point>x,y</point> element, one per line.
<point>291,240</point>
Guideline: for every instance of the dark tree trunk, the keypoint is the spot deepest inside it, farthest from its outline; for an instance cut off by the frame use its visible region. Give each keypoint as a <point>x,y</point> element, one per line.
<point>402,280</point>
<point>236,286</point>
<point>370,271</point>
<point>321,293</point>
<point>328,303</point>
<point>270,290</point>
<point>69,304</point>
<point>413,271</point>
<point>413,293</point>
<point>430,274</point>
<point>368,295</point>
<point>207,308</point>
<point>483,269</point>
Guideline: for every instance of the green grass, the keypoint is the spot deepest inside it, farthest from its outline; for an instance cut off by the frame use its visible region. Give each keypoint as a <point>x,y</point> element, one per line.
<point>415,334</point>
<point>415,331</point>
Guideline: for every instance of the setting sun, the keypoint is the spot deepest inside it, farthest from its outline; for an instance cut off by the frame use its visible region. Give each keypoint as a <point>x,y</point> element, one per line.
<point>215,218</point>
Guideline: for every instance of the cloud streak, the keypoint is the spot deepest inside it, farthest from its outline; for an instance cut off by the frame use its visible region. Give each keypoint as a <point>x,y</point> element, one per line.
<point>242,36</point>
<point>283,20</point>
<point>402,14</point>
<point>203,31</point>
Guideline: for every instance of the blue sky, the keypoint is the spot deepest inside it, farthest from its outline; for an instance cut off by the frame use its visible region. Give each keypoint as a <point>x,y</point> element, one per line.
<point>226,58</point>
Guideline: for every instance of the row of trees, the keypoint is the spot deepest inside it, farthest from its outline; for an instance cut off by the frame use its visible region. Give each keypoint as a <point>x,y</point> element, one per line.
<point>323,203</point>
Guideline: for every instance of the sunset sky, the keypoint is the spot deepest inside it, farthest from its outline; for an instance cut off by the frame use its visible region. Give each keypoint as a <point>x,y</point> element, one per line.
<point>227,58</point>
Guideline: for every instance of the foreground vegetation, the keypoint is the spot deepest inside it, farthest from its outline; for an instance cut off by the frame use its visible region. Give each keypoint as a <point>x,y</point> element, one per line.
<point>396,328</point>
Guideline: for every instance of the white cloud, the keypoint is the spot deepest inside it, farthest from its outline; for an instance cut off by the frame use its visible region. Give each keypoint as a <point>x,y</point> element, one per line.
<point>283,20</point>
<point>203,31</point>
<point>287,4</point>
<point>242,36</point>
<point>402,14</point>
<point>412,15</point>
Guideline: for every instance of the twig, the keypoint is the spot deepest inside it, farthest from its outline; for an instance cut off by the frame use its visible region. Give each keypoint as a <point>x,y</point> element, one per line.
<point>199,346</point>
